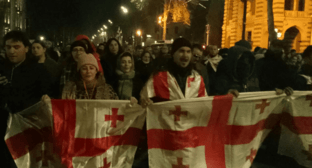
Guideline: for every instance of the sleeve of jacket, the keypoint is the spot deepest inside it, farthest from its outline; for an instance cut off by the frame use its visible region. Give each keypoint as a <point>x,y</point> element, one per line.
<point>45,80</point>
<point>222,82</point>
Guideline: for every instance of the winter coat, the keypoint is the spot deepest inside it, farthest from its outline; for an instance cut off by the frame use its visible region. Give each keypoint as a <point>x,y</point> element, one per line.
<point>28,82</point>
<point>144,71</point>
<point>125,84</point>
<point>76,90</point>
<point>274,73</point>
<point>227,77</point>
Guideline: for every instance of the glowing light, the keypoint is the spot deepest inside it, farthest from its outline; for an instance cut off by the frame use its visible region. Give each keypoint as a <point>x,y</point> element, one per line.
<point>139,33</point>
<point>110,21</point>
<point>148,35</point>
<point>279,35</point>
<point>143,44</point>
<point>41,38</point>
<point>276,30</point>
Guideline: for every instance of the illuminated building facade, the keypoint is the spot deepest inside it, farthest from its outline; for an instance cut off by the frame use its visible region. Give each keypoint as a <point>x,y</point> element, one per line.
<point>12,16</point>
<point>287,13</point>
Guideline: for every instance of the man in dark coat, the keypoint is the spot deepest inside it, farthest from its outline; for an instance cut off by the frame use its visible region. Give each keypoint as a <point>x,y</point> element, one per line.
<point>23,82</point>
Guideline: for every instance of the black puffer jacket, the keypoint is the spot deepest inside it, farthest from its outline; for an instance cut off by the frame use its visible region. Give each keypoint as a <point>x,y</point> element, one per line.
<point>274,73</point>
<point>227,76</point>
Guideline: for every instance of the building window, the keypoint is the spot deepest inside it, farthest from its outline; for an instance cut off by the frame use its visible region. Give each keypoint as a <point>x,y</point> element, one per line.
<point>249,36</point>
<point>176,30</point>
<point>301,5</point>
<point>289,4</point>
<point>230,10</point>
<point>253,7</point>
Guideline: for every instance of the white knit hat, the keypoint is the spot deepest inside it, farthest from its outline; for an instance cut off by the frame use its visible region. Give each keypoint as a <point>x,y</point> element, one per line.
<point>87,59</point>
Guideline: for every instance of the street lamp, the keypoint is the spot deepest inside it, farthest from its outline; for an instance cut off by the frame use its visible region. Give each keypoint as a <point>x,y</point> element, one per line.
<point>139,33</point>
<point>110,21</point>
<point>125,10</point>
<point>105,27</point>
<point>41,38</point>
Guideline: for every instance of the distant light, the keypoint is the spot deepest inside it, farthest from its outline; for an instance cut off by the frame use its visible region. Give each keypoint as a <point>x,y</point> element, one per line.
<point>143,44</point>
<point>276,30</point>
<point>139,33</point>
<point>148,35</point>
<point>102,33</point>
<point>98,30</point>
<point>155,42</point>
<point>102,29</point>
<point>279,35</point>
<point>204,47</point>
<point>41,38</point>
<point>110,21</point>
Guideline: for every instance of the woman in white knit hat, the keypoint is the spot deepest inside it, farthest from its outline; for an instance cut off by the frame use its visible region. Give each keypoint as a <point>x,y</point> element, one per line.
<point>90,83</point>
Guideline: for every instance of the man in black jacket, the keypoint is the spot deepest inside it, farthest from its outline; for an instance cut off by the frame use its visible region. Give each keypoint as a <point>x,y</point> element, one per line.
<point>23,82</point>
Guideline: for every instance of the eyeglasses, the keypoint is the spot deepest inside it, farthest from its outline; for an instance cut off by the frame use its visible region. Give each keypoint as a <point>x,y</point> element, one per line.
<point>77,50</point>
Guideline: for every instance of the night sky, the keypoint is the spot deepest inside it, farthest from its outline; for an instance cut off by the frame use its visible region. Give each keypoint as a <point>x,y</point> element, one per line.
<point>89,15</point>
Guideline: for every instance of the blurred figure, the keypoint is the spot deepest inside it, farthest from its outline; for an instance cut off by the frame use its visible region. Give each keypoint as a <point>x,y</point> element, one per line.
<point>164,50</point>
<point>149,49</point>
<point>51,51</point>
<point>144,67</point>
<point>223,52</point>
<point>306,69</point>
<point>100,50</point>
<point>89,83</point>
<point>197,52</point>
<point>38,49</point>
<point>156,51</point>
<point>129,48</point>
<point>112,51</point>
<point>138,52</point>
<point>212,64</point>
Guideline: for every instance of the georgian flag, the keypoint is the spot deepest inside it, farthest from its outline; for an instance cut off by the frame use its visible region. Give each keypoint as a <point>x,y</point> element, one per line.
<point>218,132</point>
<point>86,133</point>
<point>165,86</point>
<point>296,133</point>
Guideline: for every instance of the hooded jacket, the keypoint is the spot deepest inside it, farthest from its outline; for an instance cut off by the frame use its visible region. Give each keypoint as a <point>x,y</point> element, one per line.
<point>228,77</point>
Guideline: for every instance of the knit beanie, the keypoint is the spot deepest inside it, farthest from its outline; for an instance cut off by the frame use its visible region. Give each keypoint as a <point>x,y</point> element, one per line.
<point>243,43</point>
<point>87,59</point>
<point>78,43</point>
<point>178,43</point>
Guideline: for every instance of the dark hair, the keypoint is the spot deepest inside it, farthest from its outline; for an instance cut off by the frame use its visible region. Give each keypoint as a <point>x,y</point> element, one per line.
<point>125,54</point>
<point>198,46</point>
<point>307,52</point>
<point>43,44</point>
<point>138,47</point>
<point>257,49</point>
<point>17,35</point>
<point>107,51</point>
<point>144,52</point>
<point>78,43</point>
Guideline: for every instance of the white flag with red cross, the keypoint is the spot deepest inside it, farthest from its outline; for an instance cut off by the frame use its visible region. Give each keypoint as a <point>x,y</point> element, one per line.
<point>296,133</point>
<point>218,132</point>
<point>76,134</point>
<point>29,137</point>
<point>97,133</point>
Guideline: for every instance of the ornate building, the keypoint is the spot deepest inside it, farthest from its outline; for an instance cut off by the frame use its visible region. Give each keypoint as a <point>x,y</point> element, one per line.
<point>12,16</point>
<point>287,14</point>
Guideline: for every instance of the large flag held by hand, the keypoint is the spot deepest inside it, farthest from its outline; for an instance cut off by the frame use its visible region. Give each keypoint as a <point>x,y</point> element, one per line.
<point>84,133</point>
<point>218,132</point>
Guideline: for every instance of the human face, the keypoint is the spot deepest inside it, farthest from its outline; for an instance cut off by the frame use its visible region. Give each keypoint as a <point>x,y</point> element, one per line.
<point>126,64</point>
<point>113,47</point>
<point>182,56</point>
<point>140,51</point>
<point>77,52</point>
<point>156,50</point>
<point>101,47</point>
<point>197,55</point>
<point>15,51</point>
<point>88,73</point>
<point>38,50</point>
<point>149,49</point>
<point>146,58</point>
<point>164,49</point>
<point>213,51</point>
<point>130,49</point>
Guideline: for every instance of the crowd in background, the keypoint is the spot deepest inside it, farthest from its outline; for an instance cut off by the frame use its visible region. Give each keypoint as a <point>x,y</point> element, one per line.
<point>112,71</point>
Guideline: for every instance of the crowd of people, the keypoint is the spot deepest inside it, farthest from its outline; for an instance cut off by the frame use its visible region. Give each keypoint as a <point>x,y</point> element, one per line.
<point>111,71</point>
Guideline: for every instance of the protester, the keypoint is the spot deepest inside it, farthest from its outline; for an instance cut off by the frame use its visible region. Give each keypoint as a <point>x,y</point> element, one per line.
<point>69,70</point>
<point>138,52</point>
<point>197,52</point>
<point>129,48</point>
<point>128,84</point>
<point>306,69</point>
<point>90,83</point>
<point>112,52</point>
<point>149,49</point>
<point>100,50</point>
<point>90,49</point>
<point>212,64</point>
<point>52,51</point>
<point>156,51</point>
<point>23,82</point>
<point>144,67</point>
<point>39,51</point>
<point>164,50</point>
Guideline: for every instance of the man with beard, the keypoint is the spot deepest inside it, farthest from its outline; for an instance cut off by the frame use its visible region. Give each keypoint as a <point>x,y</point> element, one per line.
<point>178,70</point>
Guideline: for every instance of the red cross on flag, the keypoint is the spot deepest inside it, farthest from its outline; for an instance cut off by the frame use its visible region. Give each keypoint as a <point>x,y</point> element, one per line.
<point>296,134</point>
<point>87,133</point>
<point>218,132</point>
